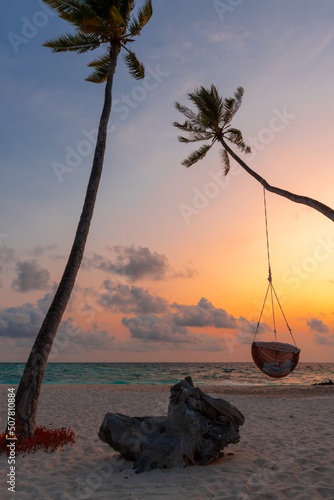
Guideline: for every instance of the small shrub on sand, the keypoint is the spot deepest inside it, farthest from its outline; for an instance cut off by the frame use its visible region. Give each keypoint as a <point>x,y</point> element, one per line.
<point>48,440</point>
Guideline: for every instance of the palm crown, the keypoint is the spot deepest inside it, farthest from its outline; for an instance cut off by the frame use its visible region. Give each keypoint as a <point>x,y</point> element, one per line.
<point>211,123</point>
<point>101,22</point>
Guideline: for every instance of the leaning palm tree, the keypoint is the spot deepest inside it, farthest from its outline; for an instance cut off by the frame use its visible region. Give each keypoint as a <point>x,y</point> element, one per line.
<point>99,23</point>
<point>212,123</point>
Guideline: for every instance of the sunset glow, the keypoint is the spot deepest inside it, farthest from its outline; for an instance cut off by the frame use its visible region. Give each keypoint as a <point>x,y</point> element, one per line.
<point>175,267</point>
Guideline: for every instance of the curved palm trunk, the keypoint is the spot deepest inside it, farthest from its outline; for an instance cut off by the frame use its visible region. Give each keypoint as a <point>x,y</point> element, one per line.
<point>305,200</point>
<point>30,385</point>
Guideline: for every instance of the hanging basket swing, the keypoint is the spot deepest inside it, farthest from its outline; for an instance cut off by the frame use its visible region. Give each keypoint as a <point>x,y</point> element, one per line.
<point>275,359</point>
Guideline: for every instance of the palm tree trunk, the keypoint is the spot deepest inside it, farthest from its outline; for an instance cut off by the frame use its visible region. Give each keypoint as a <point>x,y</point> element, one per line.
<point>305,200</point>
<point>30,385</point>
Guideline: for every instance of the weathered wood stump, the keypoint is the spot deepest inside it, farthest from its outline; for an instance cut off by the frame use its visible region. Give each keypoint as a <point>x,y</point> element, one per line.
<point>195,431</point>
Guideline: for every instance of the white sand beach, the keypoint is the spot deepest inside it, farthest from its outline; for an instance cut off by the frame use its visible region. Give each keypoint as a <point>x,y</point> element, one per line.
<point>286,450</point>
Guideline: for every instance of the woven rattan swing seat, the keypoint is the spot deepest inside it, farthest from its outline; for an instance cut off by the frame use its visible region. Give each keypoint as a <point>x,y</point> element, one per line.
<point>275,359</point>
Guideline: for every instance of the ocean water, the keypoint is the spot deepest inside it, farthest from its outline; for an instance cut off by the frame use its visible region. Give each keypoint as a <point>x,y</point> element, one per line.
<point>167,373</point>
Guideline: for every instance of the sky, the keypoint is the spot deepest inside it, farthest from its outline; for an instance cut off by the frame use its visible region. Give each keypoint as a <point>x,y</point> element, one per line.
<point>175,266</point>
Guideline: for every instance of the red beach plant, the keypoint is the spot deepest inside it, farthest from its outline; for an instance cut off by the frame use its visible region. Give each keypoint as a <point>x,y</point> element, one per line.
<point>48,440</point>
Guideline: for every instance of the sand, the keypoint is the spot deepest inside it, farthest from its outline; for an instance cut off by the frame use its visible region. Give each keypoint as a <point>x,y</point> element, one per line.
<point>286,450</point>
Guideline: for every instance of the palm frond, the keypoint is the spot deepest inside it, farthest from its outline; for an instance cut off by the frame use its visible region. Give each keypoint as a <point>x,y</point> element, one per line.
<point>102,7</point>
<point>188,113</point>
<point>102,66</point>
<point>136,68</point>
<point>209,103</point>
<point>77,42</point>
<point>228,106</point>
<point>68,6</point>
<point>116,20</point>
<point>232,105</point>
<point>195,137</point>
<point>100,74</point>
<point>226,160</point>
<point>238,95</point>
<point>190,126</point>
<point>143,17</point>
<point>235,136</point>
<point>193,118</point>
<point>77,15</point>
<point>125,8</point>
<point>87,22</point>
<point>197,155</point>
<point>105,59</point>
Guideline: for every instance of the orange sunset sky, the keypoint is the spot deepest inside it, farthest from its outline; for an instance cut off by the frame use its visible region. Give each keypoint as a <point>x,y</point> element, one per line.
<point>175,267</point>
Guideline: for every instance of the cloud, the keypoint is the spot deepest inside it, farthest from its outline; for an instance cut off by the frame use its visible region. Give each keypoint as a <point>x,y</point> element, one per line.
<point>316,325</point>
<point>172,327</point>
<point>126,299</point>
<point>246,330</point>
<point>231,40</point>
<point>7,258</point>
<point>72,338</point>
<point>317,49</point>
<point>44,303</point>
<point>188,272</point>
<point>132,263</point>
<point>39,251</point>
<point>21,321</point>
<point>152,328</point>
<point>135,263</point>
<point>204,314</point>
<point>30,276</point>
<point>323,339</point>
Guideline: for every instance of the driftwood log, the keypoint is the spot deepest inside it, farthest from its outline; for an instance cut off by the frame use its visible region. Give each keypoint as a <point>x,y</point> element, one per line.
<point>195,431</point>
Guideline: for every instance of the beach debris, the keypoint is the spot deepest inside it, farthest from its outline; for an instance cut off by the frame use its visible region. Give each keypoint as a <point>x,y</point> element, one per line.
<point>195,431</point>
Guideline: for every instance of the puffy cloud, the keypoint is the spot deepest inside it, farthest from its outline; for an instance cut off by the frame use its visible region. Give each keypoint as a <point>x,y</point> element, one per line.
<point>246,330</point>
<point>172,327</point>
<point>204,314</point>
<point>24,321</point>
<point>21,321</point>
<point>324,339</point>
<point>155,328</point>
<point>317,325</point>
<point>135,263</point>
<point>7,257</point>
<point>125,299</point>
<point>30,276</point>
<point>132,263</point>
<point>44,303</point>
<point>152,328</point>
<point>71,338</point>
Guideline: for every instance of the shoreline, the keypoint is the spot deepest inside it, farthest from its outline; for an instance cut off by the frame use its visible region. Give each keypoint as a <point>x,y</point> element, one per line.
<point>287,391</point>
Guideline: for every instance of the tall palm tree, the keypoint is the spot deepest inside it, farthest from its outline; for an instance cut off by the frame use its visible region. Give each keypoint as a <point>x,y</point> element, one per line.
<point>212,123</point>
<point>111,24</point>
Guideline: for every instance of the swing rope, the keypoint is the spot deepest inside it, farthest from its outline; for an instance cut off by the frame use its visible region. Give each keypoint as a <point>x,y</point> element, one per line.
<point>270,285</point>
